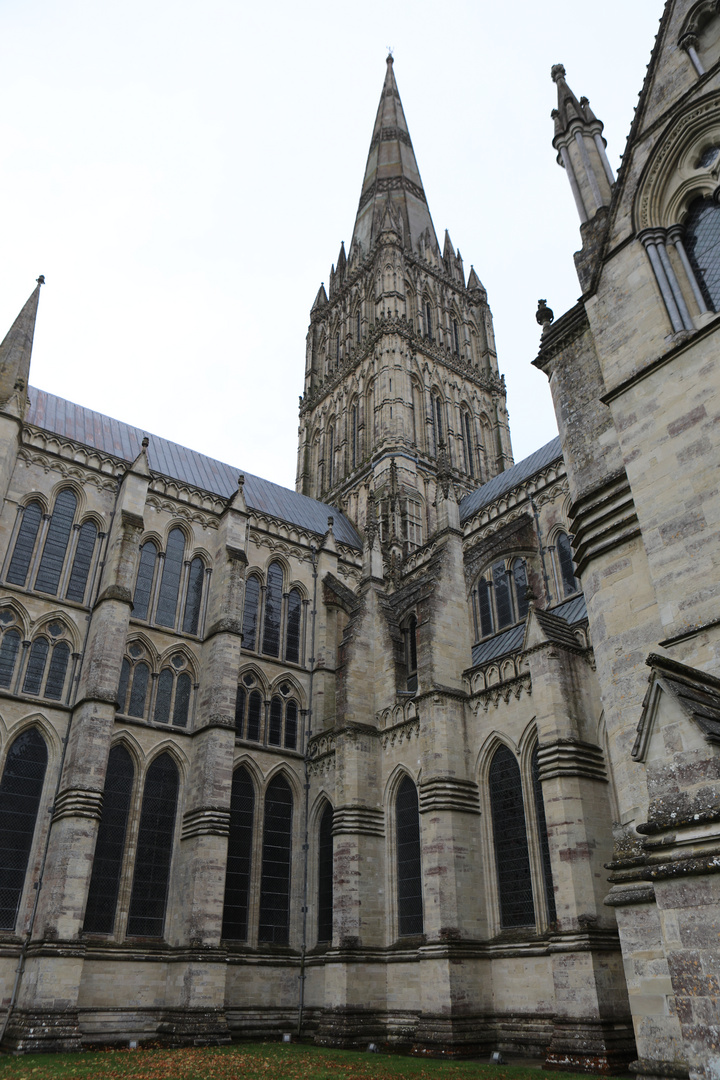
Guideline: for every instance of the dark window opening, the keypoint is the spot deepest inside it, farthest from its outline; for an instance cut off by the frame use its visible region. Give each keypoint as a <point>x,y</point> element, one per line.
<point>512,857</point>
<point>143,585</point>
<point>56,543</point>
<point>291,715</point>
<point>59,658</point>
<point>170,584</point>
<point>702,240</point>
<point>565,559</point>
<point>110,844</point>
<point>237,877</point>
<point>275,728</point>
<point>325,876</point>
<point>409,869</point>
<point>191,618</point>
<point>250,613</point>
<point>148,900</point>
<point>20,793</point>
<point>25,544</point>
<point>274,926</point>
<point>292,633</point>
<point>82,562</point>
<point>36,666</point>
<point>543,837</point>
<point>138,694</point>
<point>273,610</point>
<point>8,656</point>
<point>254,716</point>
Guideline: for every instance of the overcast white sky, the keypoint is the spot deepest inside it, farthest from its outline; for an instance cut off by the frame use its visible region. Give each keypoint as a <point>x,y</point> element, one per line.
<point>183,175</point>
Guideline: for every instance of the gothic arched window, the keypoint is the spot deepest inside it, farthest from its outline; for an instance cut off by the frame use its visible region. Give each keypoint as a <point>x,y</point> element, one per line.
<point>274,926</point>
<point>57,669</point>
<point>273,610</point>
<point>254,717</point>
<point>353,435</point>
<point>191,616</point>
<point>145,576</point>
<point>138,691</point>
<point>275,725</point>
<point>25,544</point>
<point>468,441</point>
<point>512,858</point>
<point>251,613</point>
<point>170,584</point>
<point>702,241</point>
<point>565,564</point>
<point>543,835</point>
<point>501,597</point>
<point>330,457</point>
<point>409,867</point>
<point>325,876</point>
<point>428,320</point>
<point>292,631</point>
<point>456,337</point>
<point>8,656</point>
<point>410,634</point>
<point>20,792</point>
<point>56,543</point>
<point>110,845</point>
<point>291,725</point>
<point>148,899</point>
<point>36,666</point>
<point>77,584</point>
<point>172,697</point>
<point>239,857</point>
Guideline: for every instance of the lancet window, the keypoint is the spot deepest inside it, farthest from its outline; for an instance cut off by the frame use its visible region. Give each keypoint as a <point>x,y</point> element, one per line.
<point>163,696</point>
<point>467,425</point>
<point>151,878</point>
<point>9,647</point>
<point>52,553</point>
<point>273,618</point>
<point>20,793</point>
<point>169,590</point>
<point>410,636</point>
<point>239,860</point>
<point>325,876</point>
<point>47,664</point>
<point>110,845</point>
<point>273,722</point>
<point>500,597</point>
<point>702,240</point>
<point>274,919</point>
<point>408,860</point>
<point>512,854</point>
<point>564,565</point>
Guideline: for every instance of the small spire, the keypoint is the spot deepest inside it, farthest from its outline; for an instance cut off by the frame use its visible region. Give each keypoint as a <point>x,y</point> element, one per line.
<point>579,142</point>
<point>544,315</point>
<point>320,300</point>
<point>15,355</point>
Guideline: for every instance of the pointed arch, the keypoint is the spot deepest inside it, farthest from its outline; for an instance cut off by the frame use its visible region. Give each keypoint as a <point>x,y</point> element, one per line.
<point>408,859</point>
<point>239,858</point>
<point>101,907</point>
<point>509,829</point>
<point>274,922</point>
<point>325,874</point>
<point>156,833</point>
<point>21,789</point>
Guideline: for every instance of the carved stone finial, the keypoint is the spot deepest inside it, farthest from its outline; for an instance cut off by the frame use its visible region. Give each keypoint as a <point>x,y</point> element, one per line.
<point>41,280</point>
<point>241,481</point>
<point>331,522</point>
<point>557,71</point>
<point>145,443</point>
<point>544,314</point>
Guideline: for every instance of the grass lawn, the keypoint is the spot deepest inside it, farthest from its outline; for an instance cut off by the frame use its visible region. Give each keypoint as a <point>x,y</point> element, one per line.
<point>249,1061</point>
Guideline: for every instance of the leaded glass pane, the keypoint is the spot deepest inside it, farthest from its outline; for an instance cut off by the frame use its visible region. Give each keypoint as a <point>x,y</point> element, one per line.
<point>237,878</point>
<point>56,542</point>
<point>275,728</point>
<point>254,716</point>
<point>56,672</point>
<point>543,836</point>
<point>110,845</point>
<point>503,601</point>
<point>82,562</point>
<point>292,633</point>
<point>36,666</point>
<point>20,792</point>
<point>240,710</point>
<point>138,694</point>
<point>510,836</point>
<point>520,582</point>
<point>469,450</point>
<point>325,876</point>
<point>191,619</point>
<point>438,420</point>
<point>273,610</point>
<point>154,849</point>
<point>163,697</point>
<point>170,584</point>
<point>8,655</point>
<point>565,559</point>
<point>702,240</point>
<point>353,435</point>
<point>182,700</point>
<point>123,685</point>
<point>274,923</point>
<point>291,713</point>
<point>25,544</point>
<point>409,870</point>
<point>143,585</point>
<point>250,613</point>
<point>485,607</point>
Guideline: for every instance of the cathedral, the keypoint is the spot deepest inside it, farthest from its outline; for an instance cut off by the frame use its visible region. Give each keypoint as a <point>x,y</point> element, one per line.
<point>426,752</point>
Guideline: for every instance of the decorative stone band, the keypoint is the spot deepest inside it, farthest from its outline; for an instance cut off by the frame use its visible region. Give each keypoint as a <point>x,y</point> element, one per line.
<point>78,803</point>
<point>391,183</point>
<point>390,134</point>
<point>571,757</point>
<point>358,820</point>
<point>400,733</point>
<point>449,793</point>
<point>625,895</point>
<point>603,520</point>
<point>205,821</point>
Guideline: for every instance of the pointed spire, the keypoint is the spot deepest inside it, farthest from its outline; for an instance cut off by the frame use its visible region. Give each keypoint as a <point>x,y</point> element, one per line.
<point>320,300</point>
<point>473,280</point>
<point>568,108</point>
<point>141,465</point>
<point>391,173</point>
<point>15,354</point>
<point>448,250</point>
<point>580,145</point>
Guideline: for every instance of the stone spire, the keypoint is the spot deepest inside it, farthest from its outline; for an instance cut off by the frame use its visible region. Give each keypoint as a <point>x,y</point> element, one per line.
<point>392,174</point>
<point>15,353</point>
<point>581,149</point>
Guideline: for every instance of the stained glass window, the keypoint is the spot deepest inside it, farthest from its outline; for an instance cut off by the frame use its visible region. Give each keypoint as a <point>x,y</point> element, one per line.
<point>59,658</point>
<point>82,562</point>
<point>138,694</point>
<point>25,544</point>
<point>291,716</point>
<point>273,610</point>
<point>409,869</point>
<point>511,846</point>
<point>275,727</point>
<point>154,849</point>
<point>143,585</point>
<point>254,716</point>
<point>191,618</point>
<point>702,240</point>
<point>274,924</point>
<point>239,858</point>
<point>292,632</point>
<point>56,542</point>
<point>8,655</point>
<point>36,666</point>
<point>565,559</point>
<point>110,845</point>
<point>543,836</point>
<point>325,876</point>
<point>20,792</point>
<point>170,584</point>
<point>250,613</point>
<point>163,696</point>
<point>182,700</point>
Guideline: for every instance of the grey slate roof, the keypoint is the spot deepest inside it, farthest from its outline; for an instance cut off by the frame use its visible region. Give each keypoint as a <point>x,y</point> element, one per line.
<point>572,611</point>
<point>509,479</point>
<point>560,619</point>
<point>177,462</point>
<point>509,641</point>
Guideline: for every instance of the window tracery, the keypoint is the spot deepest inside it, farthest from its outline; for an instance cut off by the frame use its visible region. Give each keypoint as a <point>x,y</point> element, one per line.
<point>56,559</point>
<point>20,793</point>
<point>164,696</point>
<point>273,617</point>
<point>500,597</point>
<point>104,889</point>
<point>47,664</point>
<point>169,590</point>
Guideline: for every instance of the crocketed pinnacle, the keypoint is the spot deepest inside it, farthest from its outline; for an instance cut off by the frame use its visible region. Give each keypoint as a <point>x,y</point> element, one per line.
<point>569,109</point>
<point>15,353</point>
<point>392,176</point>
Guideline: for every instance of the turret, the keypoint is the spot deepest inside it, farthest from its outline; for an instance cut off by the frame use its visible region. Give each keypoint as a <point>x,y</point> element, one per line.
<point>581,149</point>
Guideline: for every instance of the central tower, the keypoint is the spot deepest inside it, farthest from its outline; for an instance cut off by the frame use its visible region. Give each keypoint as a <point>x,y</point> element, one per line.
<point>401,379</point>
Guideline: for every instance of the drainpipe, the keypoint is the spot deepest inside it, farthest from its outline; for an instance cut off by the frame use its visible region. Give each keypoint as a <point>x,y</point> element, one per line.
<point>306,843</point>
